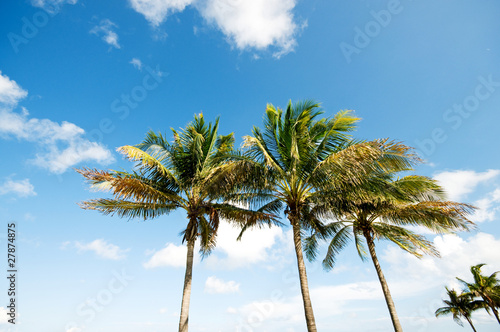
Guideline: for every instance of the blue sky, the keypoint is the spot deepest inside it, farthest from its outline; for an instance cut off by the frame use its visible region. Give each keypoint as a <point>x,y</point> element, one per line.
<point>79,78</point>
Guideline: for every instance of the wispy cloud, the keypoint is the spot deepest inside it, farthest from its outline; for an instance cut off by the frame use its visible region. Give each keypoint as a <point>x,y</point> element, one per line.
<point>105,30</point>
<point>61,146</point>
<point>52,5</point>
<point>22,188</point>
<point>137,63</point>
<point>459,183</point>
<point>10,92</point>
<point>457,256</point>
<point>156,11</point>
<point>254,246</point>
<point>74,329</point>
<point>101,248</point>
<point>171,255</point>
<point>488,207</point>
<point>214,285</point>
<point>247,25</point>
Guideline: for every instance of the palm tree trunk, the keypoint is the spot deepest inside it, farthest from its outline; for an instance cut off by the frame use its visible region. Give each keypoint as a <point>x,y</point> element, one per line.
<point>495,312</point>
<point>304,288</point>
<point>470,322</point>
<point>383,282</point>
<point>491,304</point>
<point>186,294</point>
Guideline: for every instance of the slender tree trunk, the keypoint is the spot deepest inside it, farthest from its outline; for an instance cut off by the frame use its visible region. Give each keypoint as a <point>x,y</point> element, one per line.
<point>304,288</point>
<point>491,304</point>
<point>495,312</point>
<point>186,294</point>
<point>385,287</point>
<point>470,322</point>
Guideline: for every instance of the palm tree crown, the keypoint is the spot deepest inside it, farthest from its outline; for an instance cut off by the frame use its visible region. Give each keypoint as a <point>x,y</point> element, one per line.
<point>460,306</point>
<point>485,287</point>
<point>381,208</point>
<point>298,160</point>
<point>191,173</point>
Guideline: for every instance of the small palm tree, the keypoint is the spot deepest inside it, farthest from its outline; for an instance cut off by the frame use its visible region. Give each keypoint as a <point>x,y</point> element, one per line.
<point>381,208</point>
<point>460,306</point>
<point>485,287</point>
<point>298,161</point>
<point>191,173</point>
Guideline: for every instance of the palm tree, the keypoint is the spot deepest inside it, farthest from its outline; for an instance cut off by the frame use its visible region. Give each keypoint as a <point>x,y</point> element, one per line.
<point>459,305</point>
<point>296,160</point>
<point>485,287</point>
<point>191,173</point>
<point>381,208</point>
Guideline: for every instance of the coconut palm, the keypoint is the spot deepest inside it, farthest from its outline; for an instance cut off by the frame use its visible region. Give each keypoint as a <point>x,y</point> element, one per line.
<point>191,173</point>
<point>299,159</point>
<point>382,208</point>
<point>485,287</point>
<point>460,306</point>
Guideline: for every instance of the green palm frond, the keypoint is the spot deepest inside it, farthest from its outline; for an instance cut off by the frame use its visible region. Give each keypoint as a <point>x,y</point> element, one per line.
<point>128,209</point>
<point>407,240</point>
<point>196,172</point>
<point>459,305</point>
<point>339,241</point>
<point>438,216</point>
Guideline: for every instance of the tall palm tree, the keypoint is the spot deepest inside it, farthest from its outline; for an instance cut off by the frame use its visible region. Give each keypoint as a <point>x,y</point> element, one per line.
<point>381,208</point>
<point>191,173</point>
<point>485,287</point>
<point>459,305</point>
<point>296,159</point>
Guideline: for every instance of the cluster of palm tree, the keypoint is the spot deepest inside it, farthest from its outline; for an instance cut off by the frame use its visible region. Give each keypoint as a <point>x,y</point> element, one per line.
<point>300,166</point>
<point>482,293</point>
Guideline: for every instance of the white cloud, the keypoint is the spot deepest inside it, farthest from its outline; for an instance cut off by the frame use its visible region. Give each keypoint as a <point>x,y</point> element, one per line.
<point>229,253</point>
<point>61,145</point>
<point>252,248</point>
<point>4,315</point>
<point>65,244</point>
<point>460,183</point>
<point>74,329</point>
<point>137,63</point>
<point>52,5</point>
<point>28,216</point>
<point>171,255</point>
<point>214,285</point>
<point>156,11</point>
<point>10,92</point>
<point>363,302</point>
<point>59,160</point>
<point>487,207</point>
<point>105,30</point>
<point>22,188</point>
<point>102,249</point>
<point>457,256</point>
<point>256,24</point>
